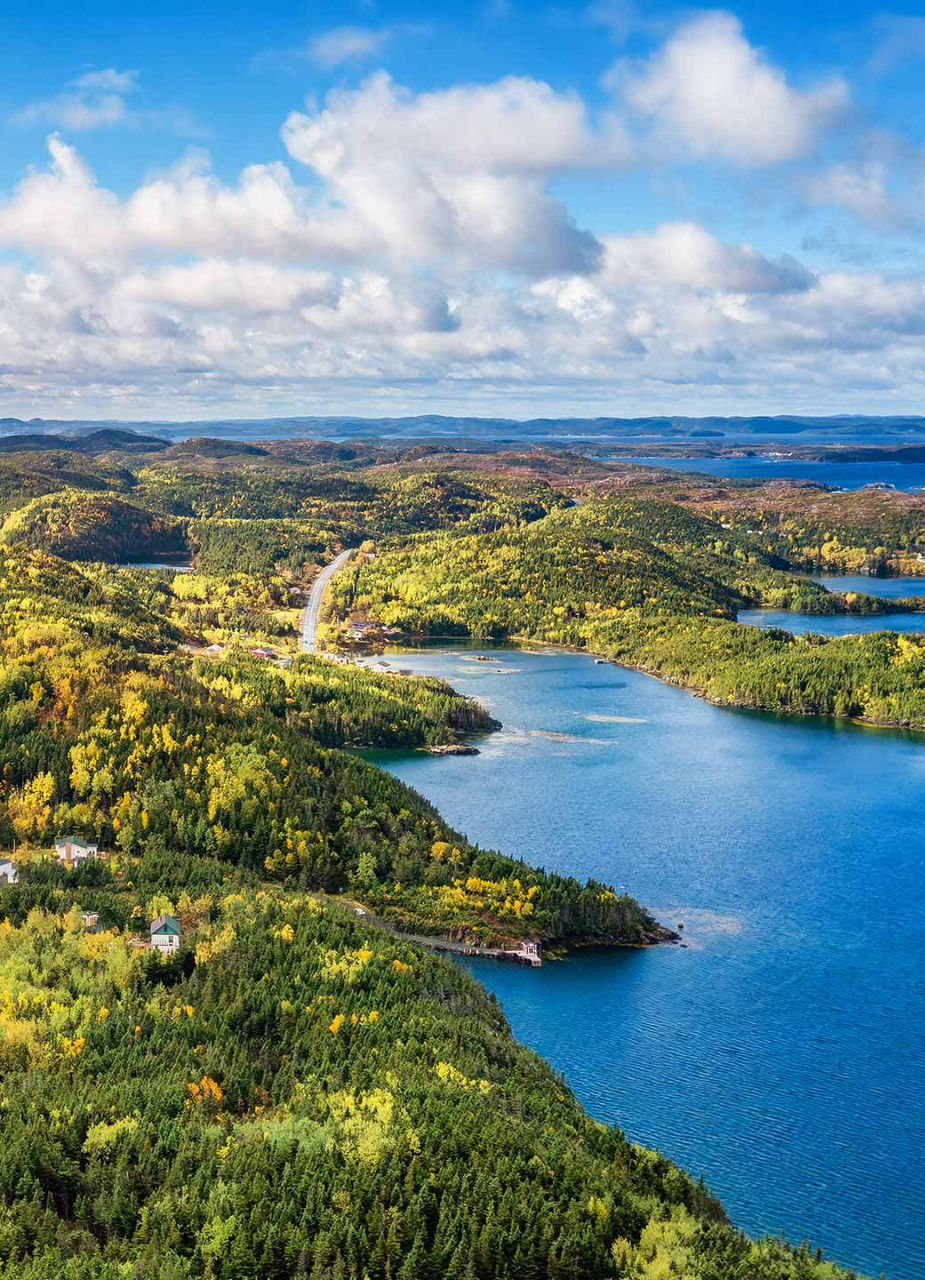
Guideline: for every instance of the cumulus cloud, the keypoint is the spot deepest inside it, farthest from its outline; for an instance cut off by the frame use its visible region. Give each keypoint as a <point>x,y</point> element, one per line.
<point>459,173</point>
<point>392,196</point>
<point>186,210</point>
<point>685,254</point>
<point>92,101</point>
<point>346,44</point>
<point>708,92</point>
<point>412,247</point>
<point>219,332</point>
<point>237,286</point>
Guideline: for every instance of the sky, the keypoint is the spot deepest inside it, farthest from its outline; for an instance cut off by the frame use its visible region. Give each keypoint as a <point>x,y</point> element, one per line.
<point>478,207</point>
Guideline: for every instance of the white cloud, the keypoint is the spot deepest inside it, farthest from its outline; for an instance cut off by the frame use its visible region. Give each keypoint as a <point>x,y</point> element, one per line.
<point>452,180</point>
<point>708,92</point>
<point>237,286</point>
<point>62,211</point>
<point>108,80</point>
<point>459,173</point>
<point>92,101</point>
<point>861,189</point>
<point>212,334</point>
<point>685,254</point>
<point>101,99</point>
<point>423,260</point>
<point>346,44</point>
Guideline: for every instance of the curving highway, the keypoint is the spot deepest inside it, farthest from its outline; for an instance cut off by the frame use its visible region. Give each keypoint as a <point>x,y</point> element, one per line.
<point>315,596</point>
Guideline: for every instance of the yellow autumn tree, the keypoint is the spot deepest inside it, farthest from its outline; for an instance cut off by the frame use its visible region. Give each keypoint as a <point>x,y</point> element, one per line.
<point>30,806</point>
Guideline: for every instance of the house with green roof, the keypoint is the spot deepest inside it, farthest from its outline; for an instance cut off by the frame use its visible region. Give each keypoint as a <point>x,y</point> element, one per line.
<point>73,849</point>
<point>166,934</point>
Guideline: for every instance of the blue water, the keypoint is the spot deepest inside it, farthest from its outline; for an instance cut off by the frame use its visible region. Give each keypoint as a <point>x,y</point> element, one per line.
<point>835,624</point>
<point>156,564</point>
<point>842,624</point>
<point>890,588</point>
<point>781,1054</point>
<point>842,475</point>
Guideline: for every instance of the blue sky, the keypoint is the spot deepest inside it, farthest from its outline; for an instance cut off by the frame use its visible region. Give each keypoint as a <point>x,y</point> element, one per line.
<point>491,207</point>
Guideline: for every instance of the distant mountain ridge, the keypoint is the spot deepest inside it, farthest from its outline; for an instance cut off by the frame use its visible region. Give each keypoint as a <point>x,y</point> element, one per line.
<point>84,441</point>
<point>94,436</point>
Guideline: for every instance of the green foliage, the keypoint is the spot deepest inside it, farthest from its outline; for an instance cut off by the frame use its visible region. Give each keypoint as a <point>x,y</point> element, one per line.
<point>234,759</point>
<point>310,1097</point>
<point>297,1093</point>
<point>868,530</point>
<point>340,705</point>
<point>79,525</point>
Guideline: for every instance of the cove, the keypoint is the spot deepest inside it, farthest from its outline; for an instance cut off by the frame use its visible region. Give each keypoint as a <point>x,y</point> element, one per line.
<point>889,588</point>
<point>831,624</point>
<point>781,1053</point>
<point>841,475</point>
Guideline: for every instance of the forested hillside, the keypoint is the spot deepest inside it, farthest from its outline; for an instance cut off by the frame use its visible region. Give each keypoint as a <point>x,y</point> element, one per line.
<point>82,525</point>
<point>867,530</point>
<point>295,1094</point>
<point>300,1091</point>
<point>104,733</point>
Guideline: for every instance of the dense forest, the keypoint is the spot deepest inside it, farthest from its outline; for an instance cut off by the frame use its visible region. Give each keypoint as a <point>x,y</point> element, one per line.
<point>81,525</point>
<point>862,531</point>
<point>296,1095</point>
<point>299,1090</point>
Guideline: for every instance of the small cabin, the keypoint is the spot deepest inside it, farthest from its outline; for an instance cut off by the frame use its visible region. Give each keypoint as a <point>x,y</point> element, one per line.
<point>90,919</point>
<point>72,849</point>
<point>9,872</point>
<point>165,934</point>
<point>530,952</point>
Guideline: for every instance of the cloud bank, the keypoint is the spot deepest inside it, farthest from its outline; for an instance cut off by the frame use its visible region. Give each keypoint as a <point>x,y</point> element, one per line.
<point>416,250</point>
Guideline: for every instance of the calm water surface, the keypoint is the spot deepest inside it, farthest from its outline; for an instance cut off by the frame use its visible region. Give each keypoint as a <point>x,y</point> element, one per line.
<point>843,475</point>
<point>890,588</point>
<point>835,624</point>
<point>781,1053</point>
<point>847,624</point>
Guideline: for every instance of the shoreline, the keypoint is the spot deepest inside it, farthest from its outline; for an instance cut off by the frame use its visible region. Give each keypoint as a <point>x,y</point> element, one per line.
<point>521,643</point>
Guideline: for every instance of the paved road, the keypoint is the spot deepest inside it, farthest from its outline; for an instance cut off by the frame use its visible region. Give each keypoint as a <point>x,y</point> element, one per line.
<point>315,596</point>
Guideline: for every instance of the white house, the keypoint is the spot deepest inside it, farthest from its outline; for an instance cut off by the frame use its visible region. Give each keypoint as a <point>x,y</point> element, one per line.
<point>165,934</point>
<point>73,849</point>
<point>90,919</point>
<point>9,872</point>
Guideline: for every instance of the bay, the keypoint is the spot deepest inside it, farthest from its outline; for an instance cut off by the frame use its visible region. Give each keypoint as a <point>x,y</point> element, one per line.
<point>832,624</point>
<point>780,1053</point>
<point>889,588</point>
<point>841,475</point>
